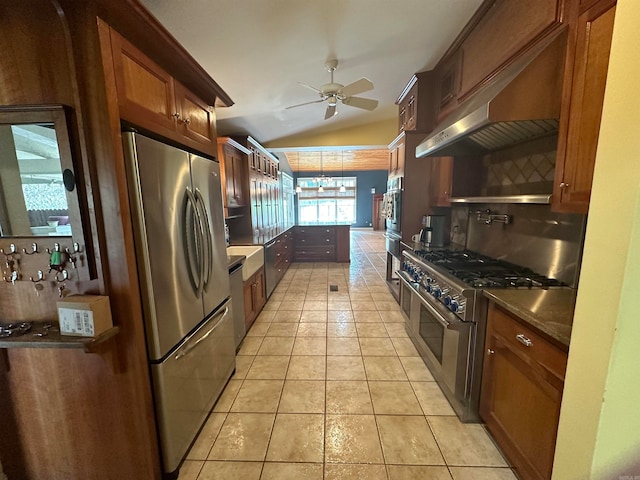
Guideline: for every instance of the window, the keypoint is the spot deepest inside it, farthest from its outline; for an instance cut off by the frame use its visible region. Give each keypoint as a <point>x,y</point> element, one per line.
<point>330,206</point>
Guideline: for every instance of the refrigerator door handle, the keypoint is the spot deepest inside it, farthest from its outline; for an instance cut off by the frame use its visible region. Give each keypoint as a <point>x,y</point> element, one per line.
<point>204,337</point>
<point>191,200</point>
<point>208,245</point>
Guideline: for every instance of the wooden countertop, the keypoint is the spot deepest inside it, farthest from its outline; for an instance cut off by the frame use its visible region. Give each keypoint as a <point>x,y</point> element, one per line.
<point>549,311</point>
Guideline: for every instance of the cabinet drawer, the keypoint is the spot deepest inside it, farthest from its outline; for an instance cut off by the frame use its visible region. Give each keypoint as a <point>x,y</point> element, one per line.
<point>317,240</point>
<point>301,231</point>
<point>533,347</point>
<point>315,253</point>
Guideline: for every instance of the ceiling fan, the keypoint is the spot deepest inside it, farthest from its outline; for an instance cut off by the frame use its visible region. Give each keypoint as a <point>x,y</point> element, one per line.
<point>332,92</point>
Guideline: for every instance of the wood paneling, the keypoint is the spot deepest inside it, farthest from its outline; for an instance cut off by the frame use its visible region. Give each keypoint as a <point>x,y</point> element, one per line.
<point>338,160</point>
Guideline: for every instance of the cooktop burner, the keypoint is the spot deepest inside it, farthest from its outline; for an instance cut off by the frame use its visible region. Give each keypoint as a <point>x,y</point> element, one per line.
<point>480,271</point>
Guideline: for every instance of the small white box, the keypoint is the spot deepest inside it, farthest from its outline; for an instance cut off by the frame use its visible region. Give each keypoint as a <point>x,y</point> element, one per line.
<point>84,315</point>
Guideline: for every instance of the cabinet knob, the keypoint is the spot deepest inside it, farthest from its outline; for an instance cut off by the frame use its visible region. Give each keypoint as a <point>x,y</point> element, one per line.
<point>187,121</point>
<point>176,115</point>
<point>564,185</point>
<point>490,352</point>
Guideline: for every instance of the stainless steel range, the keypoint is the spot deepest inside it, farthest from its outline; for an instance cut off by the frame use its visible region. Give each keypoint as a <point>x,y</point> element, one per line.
<point>446,313</point>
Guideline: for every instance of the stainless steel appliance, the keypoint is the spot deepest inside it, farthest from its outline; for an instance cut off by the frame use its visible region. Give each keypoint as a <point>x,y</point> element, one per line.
<point>446,313</point>
<point>237,301</point>
<point>433,234</point>
<point>393,206</point>
<point>498,116</point>
<point>270,267</point>
<point>184,282</point>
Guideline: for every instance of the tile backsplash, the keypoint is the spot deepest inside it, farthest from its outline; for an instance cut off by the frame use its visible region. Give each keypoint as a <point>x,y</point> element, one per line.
<point>526,169</point>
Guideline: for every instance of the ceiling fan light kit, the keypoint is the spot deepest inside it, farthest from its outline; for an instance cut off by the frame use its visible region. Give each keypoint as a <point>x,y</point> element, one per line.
<point>333,92</point>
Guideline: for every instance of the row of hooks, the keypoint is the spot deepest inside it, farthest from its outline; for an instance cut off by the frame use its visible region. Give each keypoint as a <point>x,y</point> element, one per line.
<point>34,249</point>
<point>60,277</point>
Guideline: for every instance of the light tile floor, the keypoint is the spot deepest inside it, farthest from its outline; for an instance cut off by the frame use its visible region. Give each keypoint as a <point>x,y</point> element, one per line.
<point>329,386</point>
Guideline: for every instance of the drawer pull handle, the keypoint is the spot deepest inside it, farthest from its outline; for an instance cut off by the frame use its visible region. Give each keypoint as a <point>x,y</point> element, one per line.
<point>524,340</point>
<point>490,352</point>
<point>328,240</point>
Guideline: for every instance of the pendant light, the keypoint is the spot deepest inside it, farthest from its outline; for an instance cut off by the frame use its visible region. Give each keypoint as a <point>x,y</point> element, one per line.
<point>342,188</point>
<point>298,187</point>
<point>321,177</point>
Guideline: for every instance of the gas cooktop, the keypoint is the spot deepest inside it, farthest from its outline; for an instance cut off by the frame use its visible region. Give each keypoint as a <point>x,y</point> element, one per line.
<point>480,271</point>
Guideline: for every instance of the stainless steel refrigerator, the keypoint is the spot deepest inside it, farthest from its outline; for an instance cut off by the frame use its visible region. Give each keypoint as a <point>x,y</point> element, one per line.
<point>182,265</point>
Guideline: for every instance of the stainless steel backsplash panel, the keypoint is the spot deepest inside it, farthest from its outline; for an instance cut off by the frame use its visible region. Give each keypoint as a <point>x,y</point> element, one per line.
<point>548,243</point>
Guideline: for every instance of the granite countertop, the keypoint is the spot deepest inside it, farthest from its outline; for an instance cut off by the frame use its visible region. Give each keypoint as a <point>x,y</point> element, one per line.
<point>549,311</point>
<point>233,260</point>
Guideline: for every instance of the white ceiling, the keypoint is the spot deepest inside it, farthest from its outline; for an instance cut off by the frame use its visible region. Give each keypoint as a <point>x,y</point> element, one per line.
<point>257,50</point>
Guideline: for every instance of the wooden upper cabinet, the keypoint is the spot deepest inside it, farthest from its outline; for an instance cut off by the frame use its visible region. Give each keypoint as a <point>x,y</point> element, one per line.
<point>447,83</point>
<point>234,172</point>
<point>197,119</point>
<point>440,182</point>
<point>580,125</point>
<point>502,34</point>
<point>145,91</point>
<point>151,98</point>
<point>414,105</point>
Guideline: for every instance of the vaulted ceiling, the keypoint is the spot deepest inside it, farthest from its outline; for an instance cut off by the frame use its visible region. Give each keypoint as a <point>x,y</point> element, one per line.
<point>258,51</point>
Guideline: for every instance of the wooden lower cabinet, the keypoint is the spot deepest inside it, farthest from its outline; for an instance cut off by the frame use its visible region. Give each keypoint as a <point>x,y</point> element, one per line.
<point>254,297</point>
<point>521,393</point>
<point>321,243</point>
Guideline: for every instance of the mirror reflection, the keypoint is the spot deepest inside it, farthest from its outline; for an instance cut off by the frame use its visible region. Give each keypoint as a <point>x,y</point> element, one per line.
<point>33,200</point>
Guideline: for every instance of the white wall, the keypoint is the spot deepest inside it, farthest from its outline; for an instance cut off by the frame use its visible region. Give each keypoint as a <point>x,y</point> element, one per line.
<point>599,431</point>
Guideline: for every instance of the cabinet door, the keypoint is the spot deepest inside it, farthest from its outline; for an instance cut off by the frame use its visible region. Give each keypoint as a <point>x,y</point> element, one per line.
<point>441,177</point>
<point>521,394</point>
<point>508,28</point>
<point>400,159</point>
<point>260,290</point>
<point>393,161</point>
<point>248,296</point>
<point>447,83</point>
<point>239,163</point>
<point>145,91</point>
<point>343,244</point>
<point>574,171</point>
<point>196,120</point>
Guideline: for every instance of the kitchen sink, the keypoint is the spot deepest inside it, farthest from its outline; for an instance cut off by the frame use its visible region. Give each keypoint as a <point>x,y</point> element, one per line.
<point>255,258</point>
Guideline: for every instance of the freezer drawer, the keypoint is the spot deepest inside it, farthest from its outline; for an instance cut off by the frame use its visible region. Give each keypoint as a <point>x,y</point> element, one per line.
<point>189,381</point>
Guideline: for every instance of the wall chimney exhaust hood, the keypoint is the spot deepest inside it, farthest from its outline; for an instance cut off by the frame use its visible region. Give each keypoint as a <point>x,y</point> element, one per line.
<point>522,103</point>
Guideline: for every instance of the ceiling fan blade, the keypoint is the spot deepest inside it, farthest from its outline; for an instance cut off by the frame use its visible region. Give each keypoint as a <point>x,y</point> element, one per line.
<point>309,87</point>
<point>359,86</point>
<point>359,102</point>
<point>331,111</point>
<point>303,104</point>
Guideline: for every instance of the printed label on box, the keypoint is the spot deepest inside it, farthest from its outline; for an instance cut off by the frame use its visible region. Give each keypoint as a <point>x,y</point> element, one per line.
<point>79,322</point>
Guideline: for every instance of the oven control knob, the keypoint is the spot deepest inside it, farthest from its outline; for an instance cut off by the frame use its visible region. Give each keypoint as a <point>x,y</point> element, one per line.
<point>428,288</point>
<point>448,300</point>
<point>457,307</point>
<point>436,291</point>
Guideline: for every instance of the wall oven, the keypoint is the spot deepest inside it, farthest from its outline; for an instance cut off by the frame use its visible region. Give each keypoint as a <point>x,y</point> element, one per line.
<point>393,206</point>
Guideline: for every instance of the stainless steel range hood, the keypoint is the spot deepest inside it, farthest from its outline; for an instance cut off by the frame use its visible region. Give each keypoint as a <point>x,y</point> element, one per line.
<point>520,104</point>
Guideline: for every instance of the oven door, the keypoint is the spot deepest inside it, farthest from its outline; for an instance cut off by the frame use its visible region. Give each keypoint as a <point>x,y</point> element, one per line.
<point>407,292</point>
<point>446,346</point>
